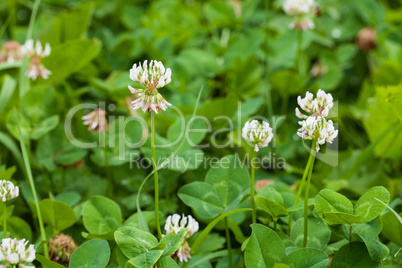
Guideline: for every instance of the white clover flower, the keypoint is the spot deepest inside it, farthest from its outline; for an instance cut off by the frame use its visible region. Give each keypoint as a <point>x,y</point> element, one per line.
<point>302,24</point>
<point>319,129</point>
<point>298,7</point>
<point>10,52</point>
<point>175,223</point>
<point>14,252</point>
<point>303,10</point>
<point>152,77</point>
<point>35,53</point>
<point>8,190</point>
<point>96,121</point>
<point>257,134</point>
<point>319,106</point>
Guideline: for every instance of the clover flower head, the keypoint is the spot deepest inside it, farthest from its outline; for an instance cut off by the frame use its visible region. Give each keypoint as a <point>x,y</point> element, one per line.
<point>175,223</point>
<point>35,52</point>
<point>257,134</point>
<point>153,77</point>
<point>366,39</point>
<point>318,106</point>
<point>8,190</point>
<point>15,253</point>
<point>298,7</point>
<point>10,52</point>
<point>61,247</point>
<point>302,24</point>
<point>96,121</point>
<point>303,10</point>
<point>319,129</point>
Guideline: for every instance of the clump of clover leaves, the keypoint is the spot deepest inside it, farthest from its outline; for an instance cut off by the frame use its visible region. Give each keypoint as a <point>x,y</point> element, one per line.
<point>359,222</point>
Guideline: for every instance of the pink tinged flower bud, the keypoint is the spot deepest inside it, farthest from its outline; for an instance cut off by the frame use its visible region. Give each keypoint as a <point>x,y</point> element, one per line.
<point>10,52</point>
<point>35,52</point>
<point>8,191</point>
<point>302,10</point>
<point>96,121</point>
<point>259,135</point>
<point>152,77</point>
<point>260,184</point>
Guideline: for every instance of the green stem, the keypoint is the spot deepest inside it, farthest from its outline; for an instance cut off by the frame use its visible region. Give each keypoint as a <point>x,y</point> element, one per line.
<point>275,224</point>
<point>32,19</point>
<point>312,153</point>
<point>299,48</point>
<point>299,191</point>
<point>228,242</point>
<point>158,228</point>
<point>5,221</point>
<point>254,212</point>
<point>350,233</point>
<point>32,184</point>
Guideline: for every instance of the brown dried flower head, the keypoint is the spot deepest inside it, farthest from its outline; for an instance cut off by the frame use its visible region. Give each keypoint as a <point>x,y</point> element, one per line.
<point>61,247</point>
<point>366,39</point>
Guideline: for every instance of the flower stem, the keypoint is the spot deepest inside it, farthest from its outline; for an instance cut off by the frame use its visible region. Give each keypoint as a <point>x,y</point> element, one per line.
<point>312,153</point>
<point>5,221</point>
<point>228,242</point>
<point>158,228</point>
<point>32,184</point>
<point>299,191</point>
<point>254,212</point>
<point>350,233</point>
<point>32,19</point>
<point>299,48</point>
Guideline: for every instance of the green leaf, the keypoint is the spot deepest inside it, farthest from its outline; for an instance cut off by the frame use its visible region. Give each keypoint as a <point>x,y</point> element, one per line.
<point>147,259</point>
<point>353,255</point>
<point>71,56</point>
<point>230,179</point>
<point>367,207</point>
<point>19,228</point>
<point>264,248</point>
<point>134,242</point>
<point>58,214</point>
<point>210,226</point>
<point>94,253</point>
<point>7,90</point>
<point>47,263</point>
<point>392,228</point>
<point>334,208</point>
<point>101,215</point>
<point>271,201</point>
<point>9,143</point>
<point>75,23</point>
<point>173,242</point>
<point>167,262</point>
<point>318,233</point>
<point>306,257</point>
<point>220,14</point>
<point>44,127</point>
<point>286,82</point>
<point>202,197</point>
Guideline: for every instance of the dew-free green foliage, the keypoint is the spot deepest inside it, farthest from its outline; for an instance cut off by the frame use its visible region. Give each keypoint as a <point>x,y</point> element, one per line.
<point>94,253</point>
<point>334,208</point>
<point>264,248</point>
<point>101,215</point>
<point>225,185</point>
<point>231,61</point>
<point>51,209</point>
